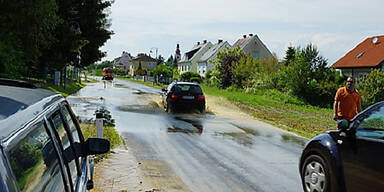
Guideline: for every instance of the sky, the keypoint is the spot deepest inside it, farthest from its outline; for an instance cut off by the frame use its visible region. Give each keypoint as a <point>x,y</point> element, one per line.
<point>333,26</point>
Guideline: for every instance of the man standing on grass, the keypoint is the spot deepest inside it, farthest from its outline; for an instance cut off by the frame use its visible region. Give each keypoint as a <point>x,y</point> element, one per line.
<point>347,101</point>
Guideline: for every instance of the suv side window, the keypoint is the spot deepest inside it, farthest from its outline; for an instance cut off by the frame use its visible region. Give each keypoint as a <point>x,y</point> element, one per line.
<point>35,163</point>
<point>66,145</point>
<point>371,125</point>
<point>71,124</point>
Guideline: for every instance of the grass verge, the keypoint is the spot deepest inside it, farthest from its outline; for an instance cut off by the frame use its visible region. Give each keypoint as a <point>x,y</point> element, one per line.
<point>70,88</point>
<point>281,110</point>
<point>109,132</point>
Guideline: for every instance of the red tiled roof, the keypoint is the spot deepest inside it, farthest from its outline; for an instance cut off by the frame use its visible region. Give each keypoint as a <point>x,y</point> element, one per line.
<point>365,54</point>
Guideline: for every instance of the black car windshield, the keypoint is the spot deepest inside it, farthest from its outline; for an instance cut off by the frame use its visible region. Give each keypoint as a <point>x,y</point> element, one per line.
<point>194,89</point>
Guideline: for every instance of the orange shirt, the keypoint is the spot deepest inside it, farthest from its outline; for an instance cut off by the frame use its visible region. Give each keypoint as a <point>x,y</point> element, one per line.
<point>347,103</point>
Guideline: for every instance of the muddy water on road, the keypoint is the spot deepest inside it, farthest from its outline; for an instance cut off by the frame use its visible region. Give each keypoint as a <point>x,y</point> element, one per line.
<point>221,150</point>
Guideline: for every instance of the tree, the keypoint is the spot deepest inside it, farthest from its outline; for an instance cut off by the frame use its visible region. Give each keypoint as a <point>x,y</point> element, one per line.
<point>160,60</point>
<point>372,88</point>
<point>226,60</point>
<point>25,30</point>
<point>162,69</point>
<point>94,22</point>
<point>309,78</point>
<point>170,59</point>
<point>289,55</point>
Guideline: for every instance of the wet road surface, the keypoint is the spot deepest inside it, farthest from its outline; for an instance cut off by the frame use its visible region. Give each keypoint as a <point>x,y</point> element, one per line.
<point>194,152</point>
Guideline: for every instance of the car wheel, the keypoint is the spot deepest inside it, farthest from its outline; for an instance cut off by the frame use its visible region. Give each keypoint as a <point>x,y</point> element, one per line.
<point>168,109</point>
<point>201,109</point>
<point>315,174</point>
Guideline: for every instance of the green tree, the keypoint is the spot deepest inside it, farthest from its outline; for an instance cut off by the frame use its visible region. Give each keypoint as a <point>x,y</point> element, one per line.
<point>289,55</point>
<point>309,78</point>
<point>25,30</point>
<point>163,69</point>
<point>372,88</point>
<point>191,76</point>
<point>160,59</point>
<point>94,23</point>
<point>226,61</point>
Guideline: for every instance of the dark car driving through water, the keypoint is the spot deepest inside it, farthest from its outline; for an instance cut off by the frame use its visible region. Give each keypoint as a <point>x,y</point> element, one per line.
<point>183,96</point>
<point>349,159</point>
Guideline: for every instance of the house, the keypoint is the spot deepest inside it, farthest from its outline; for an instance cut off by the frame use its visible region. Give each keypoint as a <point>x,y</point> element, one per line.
<point>190,58</point>
<point>123,62</point>
<point>366,56</point>
<point>142,61</point>
<point>205,63</point>
<point>252,45</point>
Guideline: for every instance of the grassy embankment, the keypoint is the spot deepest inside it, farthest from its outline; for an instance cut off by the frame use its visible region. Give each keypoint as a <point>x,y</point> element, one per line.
<point>70,88</point>
<point>276,108</point>
<point>280,110</point>
<point>109,132</point>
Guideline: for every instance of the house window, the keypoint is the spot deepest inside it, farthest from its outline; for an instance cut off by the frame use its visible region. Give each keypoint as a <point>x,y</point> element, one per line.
<point>255,54</point>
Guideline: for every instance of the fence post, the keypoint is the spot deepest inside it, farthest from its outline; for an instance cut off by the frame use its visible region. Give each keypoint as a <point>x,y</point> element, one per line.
<point>99,125</point>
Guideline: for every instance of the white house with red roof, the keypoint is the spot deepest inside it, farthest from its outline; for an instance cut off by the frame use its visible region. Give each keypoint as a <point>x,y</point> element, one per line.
<point>366,56</point>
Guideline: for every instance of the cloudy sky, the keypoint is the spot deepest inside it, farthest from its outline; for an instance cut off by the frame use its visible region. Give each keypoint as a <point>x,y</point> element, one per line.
<point>334,26</point>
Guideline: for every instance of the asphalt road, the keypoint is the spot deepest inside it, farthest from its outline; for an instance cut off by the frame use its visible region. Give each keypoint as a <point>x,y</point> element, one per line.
<point>196,152</point>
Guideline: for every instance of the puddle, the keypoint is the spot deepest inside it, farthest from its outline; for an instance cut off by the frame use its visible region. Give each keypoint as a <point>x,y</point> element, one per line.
<point>240,138</point>
<point>178,126</point>
<point>293,139</point>
<point>248,130</point>
<point>151,108</point>
<point>183,130</point>
<point>138,92</point>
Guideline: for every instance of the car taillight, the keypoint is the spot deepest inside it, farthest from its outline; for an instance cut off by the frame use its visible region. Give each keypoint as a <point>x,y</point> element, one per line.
<point>201,98</point>
<point>174,96</point>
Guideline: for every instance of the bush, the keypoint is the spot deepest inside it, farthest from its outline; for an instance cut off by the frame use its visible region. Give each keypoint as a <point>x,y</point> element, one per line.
<point>187,76</point>
<point>162,70</point>
<point>372,88</point>
<point>196,79</point>
<point>226,61</point>
<point>308,78</point>
<point>140,72</point>
<point>119,71</point>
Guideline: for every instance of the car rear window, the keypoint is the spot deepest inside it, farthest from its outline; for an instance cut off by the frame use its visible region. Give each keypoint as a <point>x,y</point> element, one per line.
<point>195,89</point>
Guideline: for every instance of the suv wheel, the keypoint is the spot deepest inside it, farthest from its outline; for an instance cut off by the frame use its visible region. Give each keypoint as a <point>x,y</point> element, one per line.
<point>201,109</point>
<point>168,109</point>
<point>315,174</point>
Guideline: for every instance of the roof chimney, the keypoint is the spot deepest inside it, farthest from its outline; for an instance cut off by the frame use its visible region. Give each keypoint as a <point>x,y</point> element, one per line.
<point>245,36</point>
<point>198,43</point>
<point>219,41</point>
<point>205,41</point>
<point>250,34</point>
<point>375,40</point>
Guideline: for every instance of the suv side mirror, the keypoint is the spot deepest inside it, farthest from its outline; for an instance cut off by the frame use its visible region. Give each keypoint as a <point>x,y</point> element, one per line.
<point>95,146</point>
<point>343,124</point>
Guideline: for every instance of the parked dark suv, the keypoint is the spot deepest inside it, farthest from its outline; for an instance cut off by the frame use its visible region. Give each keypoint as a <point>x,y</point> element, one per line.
<point>349,159</point>
<point>42,146</point>
<point>183,95</point>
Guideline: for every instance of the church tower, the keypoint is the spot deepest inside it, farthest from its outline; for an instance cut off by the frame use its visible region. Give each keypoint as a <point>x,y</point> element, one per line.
<point>177,55</point>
